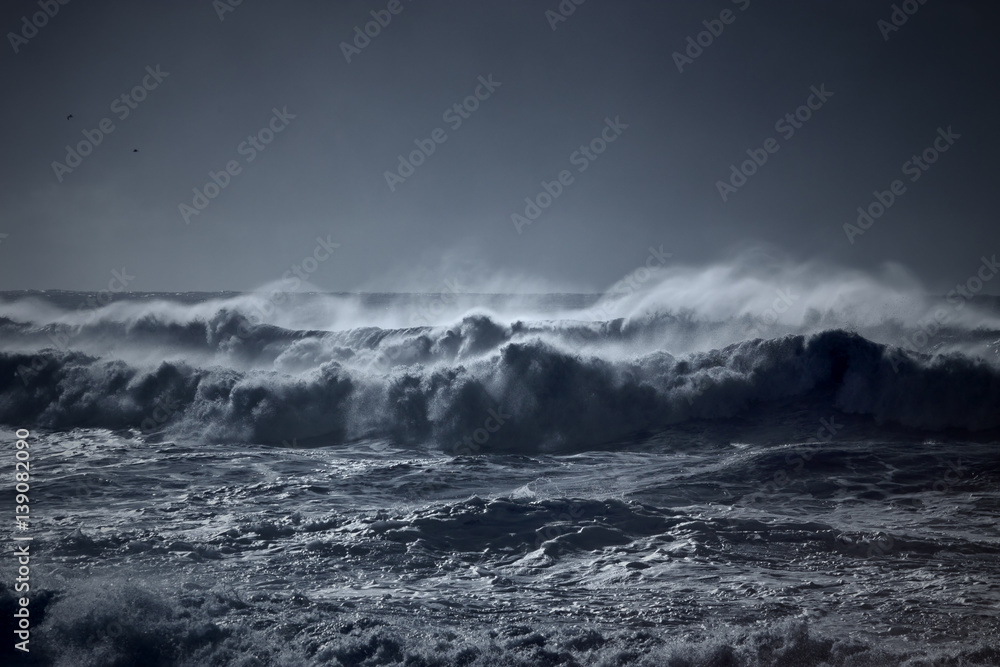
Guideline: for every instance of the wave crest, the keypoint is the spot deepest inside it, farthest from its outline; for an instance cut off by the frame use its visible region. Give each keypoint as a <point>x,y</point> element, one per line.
<point>473,384</point>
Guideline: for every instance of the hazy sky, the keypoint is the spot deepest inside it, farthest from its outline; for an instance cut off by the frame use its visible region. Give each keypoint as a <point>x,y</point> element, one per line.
<point>669,137</point>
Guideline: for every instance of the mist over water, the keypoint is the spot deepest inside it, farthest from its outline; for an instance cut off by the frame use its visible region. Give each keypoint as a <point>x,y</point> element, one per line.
<point>725,465</point>
<point>659,348</point>
<point>479,334</point>
<point>804,297</point>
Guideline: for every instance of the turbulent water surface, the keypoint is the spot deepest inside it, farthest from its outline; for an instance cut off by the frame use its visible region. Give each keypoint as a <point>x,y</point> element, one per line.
<point>652,479</point>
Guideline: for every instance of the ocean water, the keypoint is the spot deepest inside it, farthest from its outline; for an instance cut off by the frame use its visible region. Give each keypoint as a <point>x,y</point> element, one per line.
<point>658,478</point>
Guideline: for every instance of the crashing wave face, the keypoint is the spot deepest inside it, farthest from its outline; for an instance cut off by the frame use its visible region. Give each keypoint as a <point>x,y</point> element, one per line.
<point>612,370</point>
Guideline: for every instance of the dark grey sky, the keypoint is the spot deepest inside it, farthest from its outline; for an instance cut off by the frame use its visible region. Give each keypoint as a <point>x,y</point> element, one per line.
<point>323,175</point>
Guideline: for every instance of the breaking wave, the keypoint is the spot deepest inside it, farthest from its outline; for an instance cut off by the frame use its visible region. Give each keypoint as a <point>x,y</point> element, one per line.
<point>521,373</point>
<point>443,385</point>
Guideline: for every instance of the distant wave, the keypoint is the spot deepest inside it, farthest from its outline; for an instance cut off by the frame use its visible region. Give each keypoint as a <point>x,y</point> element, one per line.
<point>515,386</point>
<point>476,373</point>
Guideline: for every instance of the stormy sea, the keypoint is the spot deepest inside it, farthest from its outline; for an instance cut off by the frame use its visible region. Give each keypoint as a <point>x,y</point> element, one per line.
<point>707,468</point>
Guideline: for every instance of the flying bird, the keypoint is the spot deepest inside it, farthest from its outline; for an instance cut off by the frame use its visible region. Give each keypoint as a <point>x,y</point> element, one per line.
<point>69,116</point>
<point>135,150</point>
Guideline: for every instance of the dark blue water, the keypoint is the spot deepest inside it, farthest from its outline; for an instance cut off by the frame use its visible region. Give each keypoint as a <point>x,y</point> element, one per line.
<point>228,479</point>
